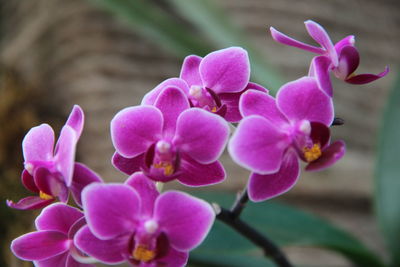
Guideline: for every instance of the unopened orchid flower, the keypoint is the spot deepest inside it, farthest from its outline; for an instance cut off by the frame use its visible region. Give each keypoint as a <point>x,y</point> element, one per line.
<point>170,140</point>
<point>52,244</point>
<point>133,223</point>
<point>213,83</point>
<point>52,172</point>
<point>275,133</point>
<point>342,58</point>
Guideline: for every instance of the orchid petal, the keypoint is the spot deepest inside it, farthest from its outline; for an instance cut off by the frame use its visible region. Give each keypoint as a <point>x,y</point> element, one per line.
<point>190,70</point>
<point>134,129</point>
<point>151,97</point>
<point>76,120</point>
<point>29,203</point>
<point>171,102</point>
<point>128,165</point>
<point>286,40</point>
<point>367,77</point>
<point>226,70</point>
<point>258,145</point>
<point>28,181</point>
<point>112,251</point>
<point>231,100</point>
<point>320,134</point>
<point>59,260</point>
<point>39,245</point>
<point>258,103</point>
<point>303,100</point>
<point>321,71</point>
<point>348,62</point>
<point>71,262</point>
<point>173,258</point>
<point>110,209</point>
<point>65,153</point>
<point>347,41</point>
<point>179,214</point>
<point>58,217</point>
<point>38,144</point>
<point>201,135</point>
<point>146,190</point>
<point>318,33</point>
<point>50,184</point>
<point>83,176</point>
<point>263,187</point>
<point>193,173</point>
<point>330,155</point>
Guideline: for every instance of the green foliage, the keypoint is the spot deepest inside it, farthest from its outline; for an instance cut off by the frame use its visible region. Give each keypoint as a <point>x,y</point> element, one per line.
<point>206,28</point>
<point>387,175</point>
<point>285,225</point>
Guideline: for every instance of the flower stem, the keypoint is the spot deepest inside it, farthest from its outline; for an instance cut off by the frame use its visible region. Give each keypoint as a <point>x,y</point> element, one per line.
<point>232,218</point>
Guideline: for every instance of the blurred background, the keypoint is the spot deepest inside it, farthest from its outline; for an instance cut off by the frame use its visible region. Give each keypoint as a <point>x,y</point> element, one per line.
<point>105,55</point>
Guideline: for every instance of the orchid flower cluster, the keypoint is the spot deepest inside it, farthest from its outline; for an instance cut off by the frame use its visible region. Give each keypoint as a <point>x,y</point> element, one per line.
<point>178,132</point>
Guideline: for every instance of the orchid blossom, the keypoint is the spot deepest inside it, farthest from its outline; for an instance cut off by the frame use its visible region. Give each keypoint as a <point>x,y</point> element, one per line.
<point>275,133</point>
<point>342,58</point>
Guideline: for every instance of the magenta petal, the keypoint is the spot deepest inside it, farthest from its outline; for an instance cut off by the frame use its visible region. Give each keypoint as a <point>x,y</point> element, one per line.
<point>147,191</point>
<point>320,134</point>
<point>258,145</point>
<point>347,41</point>
<point>171,102</point>
<point>193,173</point>
<point>286,40</point>
<point>39,245</point>
<point>38,144</point>
<point>58,217</point>
<point>367,78</point>
<point>29,203</point>
<point>226,70</point>
<point>28,181</point>
<point>110,209</point>
<point>59,260</point>
<point>83,176</point>
<point>321,36</point>
<point>65,153</point>
<point>128,165</point>
<point>186,220</point>
<point>134,129</point>
<point>49,183</point>
<point>259,103</point>
<point>349,60</point>
<point>321,67</point>
<point>76,120</point>
<point>150,97</point>
<point>173,258</point>
<point>303,100</point>
<point>201,135</point>
<point>263,187</point>
<point>330,155</point>
<point>71,262</point>
<point>190,70</point>
<point>111,251</point>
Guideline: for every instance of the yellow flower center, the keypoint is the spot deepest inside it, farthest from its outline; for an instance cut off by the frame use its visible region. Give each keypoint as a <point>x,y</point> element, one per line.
<point>312,153</point>
<point>141,253</point>
<point>45,196</point>
<point>214,109</point>
<point>167,166</point>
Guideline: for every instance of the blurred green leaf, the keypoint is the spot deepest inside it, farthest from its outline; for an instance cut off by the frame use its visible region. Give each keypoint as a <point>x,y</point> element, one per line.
<point>156,24</point>
<point>284,225</point>
<point>216,25</point>
<point>387,174</point>
<point>182,38</point>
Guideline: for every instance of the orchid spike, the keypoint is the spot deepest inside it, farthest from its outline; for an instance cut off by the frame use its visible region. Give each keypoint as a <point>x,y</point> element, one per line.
<point>342,58</point>
<point>133,223</point>
<point>52,172</point>
<point>52,244</point>
<point>275,133</point>
<point>170,140</point>
<point>214,83</point>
